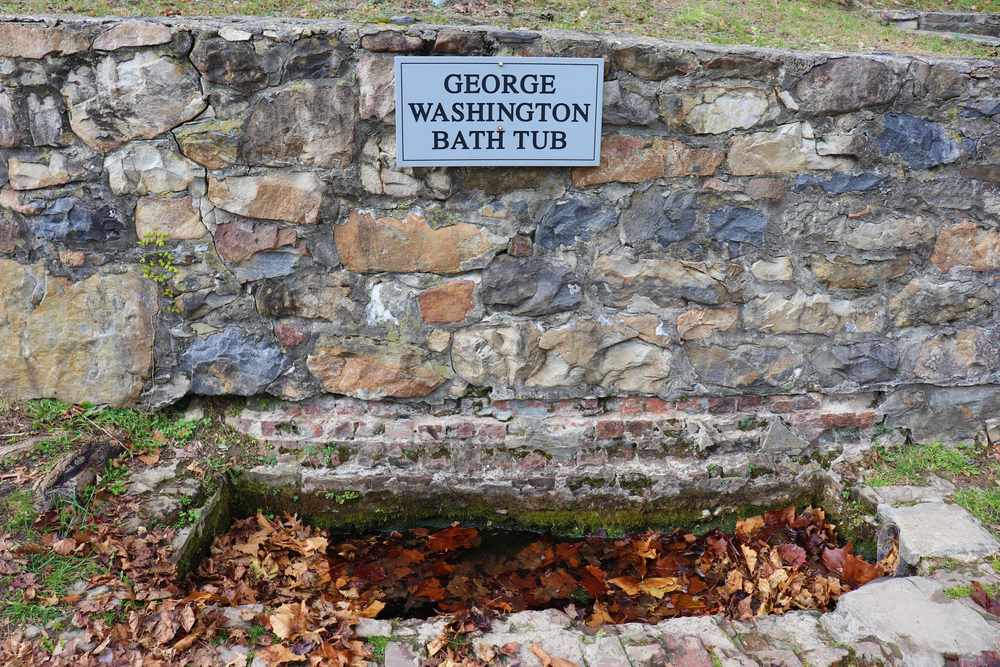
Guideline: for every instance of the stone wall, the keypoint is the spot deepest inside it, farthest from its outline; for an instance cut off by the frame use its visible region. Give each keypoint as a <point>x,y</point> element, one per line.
<point>213,207</point>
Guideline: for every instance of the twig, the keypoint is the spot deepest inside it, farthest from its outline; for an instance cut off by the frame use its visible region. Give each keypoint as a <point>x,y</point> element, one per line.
<point>108,433</point>
<point>13,435</point>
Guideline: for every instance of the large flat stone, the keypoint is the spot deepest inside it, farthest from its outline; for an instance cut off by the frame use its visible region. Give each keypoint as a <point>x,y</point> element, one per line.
<point>149,167</point>
<point>232,362</point>
<point>930,532</point>
<point>598,353</point>
<point>965,244</point>
<point>666,283</point>
<point>934,300</point>
<point>91,341</point>
<point>847,84</point>
<point>371,245</point>
<point>113,102</point>
<point>790,148</point>
<point>371,369</point>
<point>630,159</point>
<point>25,40</point>
<point>913,614</point>
<point>491,354</point>
<point>131,34</point>
<point>293,196</point>
<point>817,313</point>
<point>308,125</point>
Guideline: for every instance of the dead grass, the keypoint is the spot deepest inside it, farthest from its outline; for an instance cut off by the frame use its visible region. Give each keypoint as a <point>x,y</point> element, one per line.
<point>792,24</point>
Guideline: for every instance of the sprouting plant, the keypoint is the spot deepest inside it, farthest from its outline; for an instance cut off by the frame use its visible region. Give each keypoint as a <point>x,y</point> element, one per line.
<point>158,265</point>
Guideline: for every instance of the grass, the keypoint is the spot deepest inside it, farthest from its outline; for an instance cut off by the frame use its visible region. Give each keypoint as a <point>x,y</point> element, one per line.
<point>54,574</point>
<point>795,24</point>
<point>912,465</point>
<point>378,645</point>
<point>984,504</point>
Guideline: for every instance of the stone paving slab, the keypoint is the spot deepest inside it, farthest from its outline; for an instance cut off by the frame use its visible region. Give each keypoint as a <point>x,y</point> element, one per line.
<point>932,532</point>
<point>914,616</point>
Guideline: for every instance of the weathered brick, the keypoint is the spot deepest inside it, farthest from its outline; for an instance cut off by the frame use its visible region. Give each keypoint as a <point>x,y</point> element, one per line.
<point>749,402</point>
<point>267,429</point>
<point>631,405</point>
<point>690,405</point>
<point>719,406</point>
<point>531,462</point>
<point>368,429</point>
<point>658,406</point>
<point>430,431</point>
<point>807,402</point>
<point>638,428</point>
<point>842,420</point>
<point>342,431</point>
<point>607,428</point>
<point>866,419</point>
<point>399,430</point>
<point>781,404</point>
<point>491,431</point>
<point>460,430</point>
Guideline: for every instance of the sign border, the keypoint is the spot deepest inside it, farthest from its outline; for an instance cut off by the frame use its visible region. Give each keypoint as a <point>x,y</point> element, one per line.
<point>401,161</point>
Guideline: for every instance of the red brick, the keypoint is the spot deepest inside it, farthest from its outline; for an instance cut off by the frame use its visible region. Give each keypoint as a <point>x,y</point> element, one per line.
<point>440,463</point>
<point>749,402</point>
<point>781,404</point>
<point>639,427</point>
<point>430,431</point>
<point>343,430</point>
<point>460,430</point>
<point>368,429</point>
<point>631,405</point>
<point>293,411</point>
<point>399,430</point>
<point>866,419</point>
<point>658,406</point>
<point>607,428</point>
<point>267,428</point>
<point>720,406</point>
<point>807,403</point>
<point>531,462</point>
<point>842,420</point>
<point>492,431</point>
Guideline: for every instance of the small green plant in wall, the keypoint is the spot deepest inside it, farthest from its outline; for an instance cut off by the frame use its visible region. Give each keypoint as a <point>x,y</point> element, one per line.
<point>158,265</point>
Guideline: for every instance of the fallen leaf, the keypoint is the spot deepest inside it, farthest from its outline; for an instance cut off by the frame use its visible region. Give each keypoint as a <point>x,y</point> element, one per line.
<point>550,661</point>
<point>629,584</point>
<point>150,459</point>
<point>64,547</point>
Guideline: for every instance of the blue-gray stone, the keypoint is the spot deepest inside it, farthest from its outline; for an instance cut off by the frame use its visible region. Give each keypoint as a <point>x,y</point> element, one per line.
<point>71,219</point>
<point>840,182</point>
<point>921,143</point>
<point>573,220</point>
<point>231,362</point>
<point>402,20</point>
<point>737,225</point>
<point>864,362</point>
<point>981,109</point>
<point>530,286</point>
<point>665,220</point>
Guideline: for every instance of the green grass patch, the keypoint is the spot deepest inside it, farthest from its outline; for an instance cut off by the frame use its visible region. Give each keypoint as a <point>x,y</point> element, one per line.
<point>378,645</point>
<point>984,504</point>
<point>17,512</point>
<point>912,465</point>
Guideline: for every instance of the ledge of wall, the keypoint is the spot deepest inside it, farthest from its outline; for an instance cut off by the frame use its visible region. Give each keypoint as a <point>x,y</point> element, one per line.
<point>762,223</point>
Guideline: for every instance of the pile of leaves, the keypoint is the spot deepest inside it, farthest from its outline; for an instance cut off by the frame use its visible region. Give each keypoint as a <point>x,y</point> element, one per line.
<point>321,587</point>
<point>773,563</point>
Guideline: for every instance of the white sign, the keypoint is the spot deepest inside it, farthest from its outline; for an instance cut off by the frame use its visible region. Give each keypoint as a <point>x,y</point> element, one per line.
<point>498,111</point>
